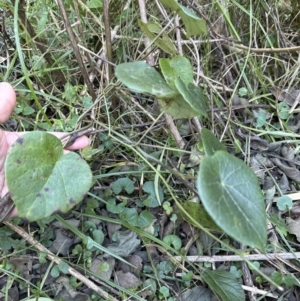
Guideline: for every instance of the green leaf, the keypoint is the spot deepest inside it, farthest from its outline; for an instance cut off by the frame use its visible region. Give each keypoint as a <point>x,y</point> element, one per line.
<point>140,77</point>
<point>54,271</point>
<point>198,213</point>
<point>98,236</point>
<point>237,273</point>
<point>131,216</point>
<point>177,67</point>
<point>42,257</point>
<point>41,179</point>
<point>224,284</point>
<point>193,24</point>
<point>173,240</point>
<point>279,223</point>
<point>193,95</point>
<point>211,144</point>
<point>151,29</point>
<point>150,284</point>
<point>288,280</point>
<point>284,203</point>
<point>123,184</point>
<point>94,4</point>
<point>261,118</point>
<point>177,107</point>
<point>63,267</point>
<point>283,109</point>
<point>112,206</point>
<point>89,242</point>
<point>145,219</point>
<point>164,291</point>
<point>231,195</point>
<point>151,200</point>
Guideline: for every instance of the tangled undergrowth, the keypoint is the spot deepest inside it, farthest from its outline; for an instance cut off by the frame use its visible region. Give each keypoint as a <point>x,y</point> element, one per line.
<point>142,232</point>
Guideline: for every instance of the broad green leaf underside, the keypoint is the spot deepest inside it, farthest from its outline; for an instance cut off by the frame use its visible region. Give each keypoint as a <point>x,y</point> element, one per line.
<point>140,77</point>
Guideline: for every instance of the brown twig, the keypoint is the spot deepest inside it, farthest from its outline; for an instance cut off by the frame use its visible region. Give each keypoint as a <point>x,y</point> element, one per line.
<point>147,42</point>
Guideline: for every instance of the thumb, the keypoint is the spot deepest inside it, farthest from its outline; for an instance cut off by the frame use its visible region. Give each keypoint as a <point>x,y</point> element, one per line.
<point>7,101</point>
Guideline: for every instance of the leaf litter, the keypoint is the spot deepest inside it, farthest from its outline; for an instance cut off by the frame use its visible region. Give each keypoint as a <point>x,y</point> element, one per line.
<point>276,164</point>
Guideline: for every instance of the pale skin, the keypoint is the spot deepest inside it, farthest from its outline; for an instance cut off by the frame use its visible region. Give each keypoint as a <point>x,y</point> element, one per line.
<point>7,104</point>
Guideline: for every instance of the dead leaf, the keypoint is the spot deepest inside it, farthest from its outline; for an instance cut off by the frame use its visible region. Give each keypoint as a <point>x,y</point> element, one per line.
<point>284,184</point>
<point>98,267</point>
<point>13,294</point>
<point>136,261</point>
<point>294,123</point>
<point>127,280</point>
<point>23,264</point>
<point>287,95</point>
<point>258,143</point>
<point>292,172</point>
<point>288,152</point>
<point>112,228</point>
<point>62,242</point>
<point>195,157</point>
<point>294,226</point>
<point>197,293</point>
<point>66,292</point>
<point>126,244</point>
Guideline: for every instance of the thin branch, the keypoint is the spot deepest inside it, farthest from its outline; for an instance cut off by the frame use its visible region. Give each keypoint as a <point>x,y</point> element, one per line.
<point>147,42</point>
<point>170,123</point>
<point>251,257</point>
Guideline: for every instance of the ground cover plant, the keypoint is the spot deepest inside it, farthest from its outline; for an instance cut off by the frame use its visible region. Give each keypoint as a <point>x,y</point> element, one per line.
<point>193,110</point>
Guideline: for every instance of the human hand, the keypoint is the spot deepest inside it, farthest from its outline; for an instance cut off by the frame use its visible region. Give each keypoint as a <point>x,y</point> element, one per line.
<point>7,104</point>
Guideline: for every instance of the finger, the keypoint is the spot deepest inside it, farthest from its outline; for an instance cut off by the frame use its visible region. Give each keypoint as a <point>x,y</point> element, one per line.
<point>13,213</point>
<point>7,101</point>
<point>79,143</point>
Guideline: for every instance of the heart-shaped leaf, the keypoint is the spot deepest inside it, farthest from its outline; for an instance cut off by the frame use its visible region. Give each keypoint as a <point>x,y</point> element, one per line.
<point>193,95</point>
<point>231,195</point>
<point>41,179</point>
<point>193,24</point>
<point>224,284</point>
<point>210,142</point>
<point>151,29</point>
<point>177,107</point>
<point>140,77</point>
<point>178,66</point>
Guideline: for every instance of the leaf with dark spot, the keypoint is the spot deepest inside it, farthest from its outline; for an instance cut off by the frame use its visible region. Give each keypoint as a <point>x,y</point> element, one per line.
<point>35,164</point>
<point>20,140</point>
